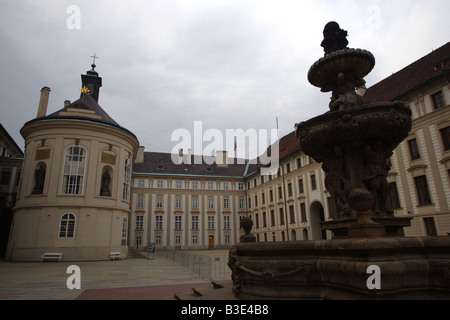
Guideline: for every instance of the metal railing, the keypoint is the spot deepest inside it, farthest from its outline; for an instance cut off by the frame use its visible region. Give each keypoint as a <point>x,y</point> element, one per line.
<point>211,266</point>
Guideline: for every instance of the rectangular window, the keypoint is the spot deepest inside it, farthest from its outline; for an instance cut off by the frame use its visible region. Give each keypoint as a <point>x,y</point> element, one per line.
<point>264,219</point>
<point>194,203</point>
<point>430,226</point>
<point>393,196</point>
<point>241,186</point>
<point>210,185</point>
<point>422,190</point>
<point>210,203</point>
<point>445,134</point>
<point>241,203</point>
<point>289,189</point>
<point>303,212</point>
<point>226,203</point>
<point>195,185</point>
<point>413,149</point>
<point>438,100</point>
<point>227,239</point>
<point>292,214</point>
<point>194,239</point>
<point>313,182</point>
<point>271,195</point>
<point>177,239</point>
<point>139,222</point>
<point>158,223</point>
<point>141,183</point>
<point>178,184</point>
<point>178,202</point>
<point>178,222</point>
<point>272,218</point>
<point>159,202</point>
<point>226,186</point>
<point>140,202</point>
<point>160,184</point>
<point>300,185</point>
<point>226,222</point>
<point>194,223</point>
<point>281,216</point>
<point>211,222</point>
<point>158,239</point>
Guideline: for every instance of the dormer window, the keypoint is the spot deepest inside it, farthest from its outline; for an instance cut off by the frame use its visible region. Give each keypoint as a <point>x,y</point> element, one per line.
<point>160,168</point>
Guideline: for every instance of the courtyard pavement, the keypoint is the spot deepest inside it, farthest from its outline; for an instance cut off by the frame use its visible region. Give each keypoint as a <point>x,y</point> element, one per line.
<point>130,279</point>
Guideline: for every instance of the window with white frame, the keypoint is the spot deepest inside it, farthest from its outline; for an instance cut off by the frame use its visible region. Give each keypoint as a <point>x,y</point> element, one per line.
<point>74,170</point>
<point>177,239</point>
<point>158,239</point>
<point>210,203</point>
<point>226,222</point>
<point>227,239</point>
<point>194,203</point>
<point>178,184</point>
<point>226,203</point>
<point>194,239</point>
<point>159,202</point>
<point>241,203</point>
<point>140,222</point>
<point>178,222</point>
<point>158,223</point>
<point>210,185</point>
<point>226,186</point>
<point>141,183</point>
<point>126,179</point>
<point>211,222</point>
<point>241,186</point>
<point>67,226</point>
<point>140,202</point>
<point>124,231</point>
<point>194,185</point>
<point>194,224</point>
<point>178,202</point>
<point>160,184</point>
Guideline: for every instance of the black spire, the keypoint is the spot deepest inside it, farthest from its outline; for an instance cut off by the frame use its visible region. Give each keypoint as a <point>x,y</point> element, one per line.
<point>92,81</point>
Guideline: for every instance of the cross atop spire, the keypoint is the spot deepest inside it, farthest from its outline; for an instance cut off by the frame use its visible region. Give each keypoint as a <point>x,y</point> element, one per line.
<point>93,63</point>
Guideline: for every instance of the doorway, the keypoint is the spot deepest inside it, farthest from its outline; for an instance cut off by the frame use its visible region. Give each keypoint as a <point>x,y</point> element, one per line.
<point>317,216</point>
<point>211,242</point>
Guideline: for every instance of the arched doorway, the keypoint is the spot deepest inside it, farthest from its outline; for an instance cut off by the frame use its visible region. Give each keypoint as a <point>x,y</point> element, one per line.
<point>305,234</point>
<point>293,235</point>
<point>317,215</point>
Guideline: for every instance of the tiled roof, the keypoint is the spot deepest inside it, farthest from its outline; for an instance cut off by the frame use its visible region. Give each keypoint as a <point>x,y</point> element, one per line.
<point>161,163</point>
<point>430,67</point>
<point>88,103</point>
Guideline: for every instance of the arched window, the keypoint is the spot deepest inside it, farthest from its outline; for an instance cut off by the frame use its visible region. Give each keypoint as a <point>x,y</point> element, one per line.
<point>67,226</point>
<point>127,179</point>
<point>74,170</point>
<point>124,231</point>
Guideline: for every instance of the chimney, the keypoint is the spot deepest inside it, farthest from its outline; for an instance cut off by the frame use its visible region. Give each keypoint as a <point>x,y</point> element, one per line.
<point>189,155</point>
<point>222,158</point>
<point>140,154</point>
<point>180,156</point>
<point>43,102</point>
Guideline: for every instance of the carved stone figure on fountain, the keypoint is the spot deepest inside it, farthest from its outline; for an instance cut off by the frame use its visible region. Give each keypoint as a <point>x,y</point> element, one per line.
<point>336,183</point>
<point>374,175</point>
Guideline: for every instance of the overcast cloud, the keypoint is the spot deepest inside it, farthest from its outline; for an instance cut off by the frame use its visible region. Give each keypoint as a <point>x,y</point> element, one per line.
<point>167,63</point>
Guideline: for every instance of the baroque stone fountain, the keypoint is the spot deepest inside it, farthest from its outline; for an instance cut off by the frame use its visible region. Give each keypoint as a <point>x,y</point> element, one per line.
<point>368,257</point>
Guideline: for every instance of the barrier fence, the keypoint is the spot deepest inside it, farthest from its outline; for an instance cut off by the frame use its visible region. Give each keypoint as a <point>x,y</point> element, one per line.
<point>211,267</point>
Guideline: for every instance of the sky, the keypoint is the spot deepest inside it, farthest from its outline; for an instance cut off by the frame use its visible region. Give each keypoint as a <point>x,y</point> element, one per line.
<point>172,65</point>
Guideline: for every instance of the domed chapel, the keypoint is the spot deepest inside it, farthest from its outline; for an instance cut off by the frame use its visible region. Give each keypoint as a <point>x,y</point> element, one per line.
<point>74,197</point>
